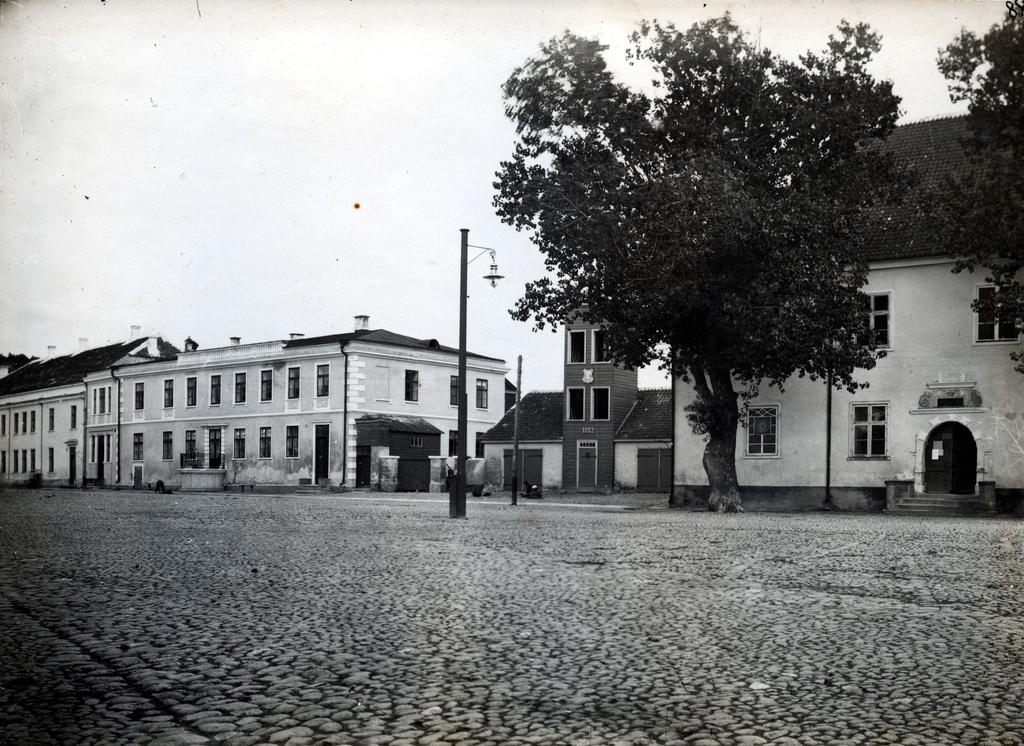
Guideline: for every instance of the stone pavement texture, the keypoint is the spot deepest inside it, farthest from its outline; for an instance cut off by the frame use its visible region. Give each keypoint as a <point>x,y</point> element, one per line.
<point>129,618</point>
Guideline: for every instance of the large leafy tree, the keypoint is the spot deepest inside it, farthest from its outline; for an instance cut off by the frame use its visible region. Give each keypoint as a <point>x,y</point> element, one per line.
<point>711,225</point>
<point>981,209</point>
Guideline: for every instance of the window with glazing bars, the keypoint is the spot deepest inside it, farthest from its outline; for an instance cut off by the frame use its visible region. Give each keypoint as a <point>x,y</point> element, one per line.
<point>190,391</point>
<point>266,385</point>
<point>168,445</point>
<point>264,442</point>
<point>215,389</point>
<point>239,442</point>
<point>239,388</point>
<point>293,383</point>
<point>140,395</point>
<point>323,380</point>
<point>869,429</point>
<point>762,431</point>
<point>291,441</point>
<point>481,393</point>
<point>168,393</point>
<point>137,446</point>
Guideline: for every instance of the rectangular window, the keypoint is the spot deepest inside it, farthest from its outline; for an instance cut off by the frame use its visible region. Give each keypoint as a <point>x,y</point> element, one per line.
<point>577,346</point>
<point>291,441</point>
<point>33,420</point>
<point>102,409</point>
<point>95,406</point>
<point>92,449</point>
<point>190,391</point>
<point>575,399</point>
<point>190,442</point>
<point>481,393</point>
<point>33,466</point>
<point>239,442</point>
<point>453,393</point>
<point>3,424</point>
<point>869,429</point>
<point>599,404</point>
<point>215,390</point>
<point>992,325</point>
<point>266,385</point>
<point>74,417</point>
<point>137,446</point>
<point>168,445</point>
<point>878,318</point>
<point>14,461</point>
<point>762,431</point>
<point>239,388</point>
<point>168,393</point>
<point>453,442</point>
<point>140,396</point>
<point>3,462</point>
<point>416,441</point>
<point>412,385</point>
<point>323,380</point>
<point>264,442</point>
<point>598,353</point>
<point>479,445</point>
<point>49,420</point>
<point>24,422</point>
<point>293,383</point>
<point>15,418</point>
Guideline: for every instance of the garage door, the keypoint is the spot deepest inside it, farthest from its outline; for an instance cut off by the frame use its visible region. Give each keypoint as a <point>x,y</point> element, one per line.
<point>531,467</point>
<point>653,469</point>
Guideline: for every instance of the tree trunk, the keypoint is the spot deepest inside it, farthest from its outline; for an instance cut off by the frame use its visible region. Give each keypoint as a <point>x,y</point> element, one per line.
<point>719,417</point>
<point>720,466</point>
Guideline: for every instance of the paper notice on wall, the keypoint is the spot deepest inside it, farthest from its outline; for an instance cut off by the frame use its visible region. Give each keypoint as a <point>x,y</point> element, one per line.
<point>936,453</point>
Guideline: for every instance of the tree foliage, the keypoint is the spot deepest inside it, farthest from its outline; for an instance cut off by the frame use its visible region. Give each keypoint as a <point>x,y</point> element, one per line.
<point>980,212</point>
<point>712,223</point>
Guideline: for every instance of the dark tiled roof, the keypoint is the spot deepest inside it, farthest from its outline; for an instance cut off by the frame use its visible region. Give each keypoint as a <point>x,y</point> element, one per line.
<point>650,418</point>
<point>382,336</point>
<point>540,419</point>
<point>68,369</point>
<point>932,149</point>
<point>401,424</point>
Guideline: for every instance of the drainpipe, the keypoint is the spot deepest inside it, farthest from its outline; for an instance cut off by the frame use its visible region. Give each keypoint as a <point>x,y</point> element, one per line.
<point>117,432</point>
<point>344,418</point>
<point>827,504</point>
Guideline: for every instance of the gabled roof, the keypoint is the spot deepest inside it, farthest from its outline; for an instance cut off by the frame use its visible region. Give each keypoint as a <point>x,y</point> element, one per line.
<point>540,418</point>
<point>383,337</point>
<point>400,423</point>
<point>650,418</point>
<point>932,149</point>
<point>69,369</point>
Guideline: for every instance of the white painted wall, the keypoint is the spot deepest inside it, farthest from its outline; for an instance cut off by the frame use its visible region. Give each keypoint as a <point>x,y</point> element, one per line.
<point>932,340</point>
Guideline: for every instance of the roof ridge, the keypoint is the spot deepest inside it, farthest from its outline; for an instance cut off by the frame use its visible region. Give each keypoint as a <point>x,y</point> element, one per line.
<point>933,118</point>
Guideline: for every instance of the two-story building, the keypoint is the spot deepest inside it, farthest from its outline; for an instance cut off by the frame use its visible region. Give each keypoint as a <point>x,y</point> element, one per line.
<point>43,412</point>
<point>942,420</point>
<point>283,412</point>
<point>601,432</point>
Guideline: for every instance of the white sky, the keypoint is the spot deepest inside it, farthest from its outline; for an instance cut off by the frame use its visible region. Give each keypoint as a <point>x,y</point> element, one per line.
<point>197,174</point>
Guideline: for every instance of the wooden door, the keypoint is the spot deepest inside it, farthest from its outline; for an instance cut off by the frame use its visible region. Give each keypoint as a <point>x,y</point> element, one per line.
<point>99,459</point>
<point>586,464</point>
<point>320,448</point>
<point>950,460</point>
<point>72,464</point>
<point>362,466</point>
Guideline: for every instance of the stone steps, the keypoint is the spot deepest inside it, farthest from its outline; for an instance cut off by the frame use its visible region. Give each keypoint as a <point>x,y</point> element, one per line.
<point>938,504</point>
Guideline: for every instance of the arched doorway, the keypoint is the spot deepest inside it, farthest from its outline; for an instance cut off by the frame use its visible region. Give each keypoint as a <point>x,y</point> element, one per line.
<point>950,460</point>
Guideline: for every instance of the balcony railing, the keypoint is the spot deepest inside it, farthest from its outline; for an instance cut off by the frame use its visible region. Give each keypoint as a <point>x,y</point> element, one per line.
<point>201,460</point>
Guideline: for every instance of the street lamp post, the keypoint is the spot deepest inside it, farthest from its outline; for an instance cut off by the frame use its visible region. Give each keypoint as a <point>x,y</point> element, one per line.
<point>457,499</point>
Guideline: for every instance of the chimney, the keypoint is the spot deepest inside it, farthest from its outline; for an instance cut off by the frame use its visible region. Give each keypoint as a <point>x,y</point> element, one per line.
<point>136,330</point>
<point>235,341</point>
<point>4,370</point>
<point>51,350</point>
<point>83,343</point>
<point>296,335</point>
<point>191,345</point>
<point>362,322</point>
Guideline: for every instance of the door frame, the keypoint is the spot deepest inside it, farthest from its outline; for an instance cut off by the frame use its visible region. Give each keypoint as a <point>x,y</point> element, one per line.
<point>925,460</point>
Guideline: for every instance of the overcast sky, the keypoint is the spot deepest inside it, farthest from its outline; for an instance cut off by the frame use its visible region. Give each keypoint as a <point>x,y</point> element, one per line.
<point>194,167</point>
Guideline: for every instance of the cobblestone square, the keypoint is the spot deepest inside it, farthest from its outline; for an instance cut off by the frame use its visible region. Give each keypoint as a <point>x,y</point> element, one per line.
<point>131,618</point>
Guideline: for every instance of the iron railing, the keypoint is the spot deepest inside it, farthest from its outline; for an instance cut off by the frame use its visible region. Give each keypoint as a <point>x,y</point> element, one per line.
<point>201,460</point>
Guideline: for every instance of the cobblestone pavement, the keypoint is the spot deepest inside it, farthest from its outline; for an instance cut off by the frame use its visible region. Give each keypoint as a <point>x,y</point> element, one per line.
<point>131,618</point>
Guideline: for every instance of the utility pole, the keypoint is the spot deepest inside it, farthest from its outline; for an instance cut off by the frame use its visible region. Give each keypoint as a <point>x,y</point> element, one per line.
<point>457,502</point>
<point>515,431</point>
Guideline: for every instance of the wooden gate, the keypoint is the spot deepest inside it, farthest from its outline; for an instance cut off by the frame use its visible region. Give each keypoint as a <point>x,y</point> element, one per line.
<point>653,469</point>
<point>531,467</point>
<point>413,475</point>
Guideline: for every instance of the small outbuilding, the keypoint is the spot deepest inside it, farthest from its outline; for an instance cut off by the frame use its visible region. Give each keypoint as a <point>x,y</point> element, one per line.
<point>412,440</point>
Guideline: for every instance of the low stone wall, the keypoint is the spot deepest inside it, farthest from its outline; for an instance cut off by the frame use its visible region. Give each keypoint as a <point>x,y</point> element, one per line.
<point>858,499</point>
